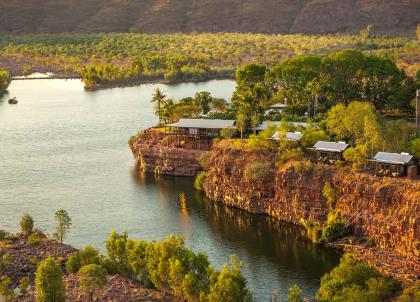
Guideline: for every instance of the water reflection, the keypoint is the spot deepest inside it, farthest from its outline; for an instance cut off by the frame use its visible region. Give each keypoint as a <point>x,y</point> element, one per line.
<point>260,241</point>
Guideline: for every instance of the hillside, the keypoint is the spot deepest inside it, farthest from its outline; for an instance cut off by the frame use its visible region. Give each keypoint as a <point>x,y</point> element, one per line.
<point>163,16</point>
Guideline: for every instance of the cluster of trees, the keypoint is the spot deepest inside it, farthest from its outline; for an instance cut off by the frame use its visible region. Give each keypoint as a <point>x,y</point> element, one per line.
<point>356,281</point>
<point>168,110</point>
<point>5,80</point>
<point>166,265</point>
<point>368,132</point>
<point>312,84</point>
<point>117,57</point>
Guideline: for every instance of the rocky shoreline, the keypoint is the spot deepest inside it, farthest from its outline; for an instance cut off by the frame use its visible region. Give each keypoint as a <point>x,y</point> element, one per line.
<point>384,213</point>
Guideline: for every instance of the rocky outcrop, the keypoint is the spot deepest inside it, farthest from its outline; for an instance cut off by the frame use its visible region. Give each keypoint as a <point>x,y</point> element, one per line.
<point>383,211</point>
<point>158,153</point>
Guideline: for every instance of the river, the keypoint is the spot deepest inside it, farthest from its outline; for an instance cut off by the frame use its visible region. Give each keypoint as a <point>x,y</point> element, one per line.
<point>63,147</point>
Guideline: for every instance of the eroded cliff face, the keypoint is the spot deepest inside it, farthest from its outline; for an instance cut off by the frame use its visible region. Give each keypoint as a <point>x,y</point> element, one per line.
<point>156,153</point>
<point>385,211</point>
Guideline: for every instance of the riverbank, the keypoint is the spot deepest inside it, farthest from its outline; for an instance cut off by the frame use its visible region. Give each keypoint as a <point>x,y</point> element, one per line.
<point>383,213</point>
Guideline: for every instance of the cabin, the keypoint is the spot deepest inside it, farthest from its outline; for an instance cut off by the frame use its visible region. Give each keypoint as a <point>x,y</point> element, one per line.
<point>279,107</point>
<point>393,165</point>
<point>327,152</point>
<point>197,133</point>
<point>290,136</point>
<point>266,124</point>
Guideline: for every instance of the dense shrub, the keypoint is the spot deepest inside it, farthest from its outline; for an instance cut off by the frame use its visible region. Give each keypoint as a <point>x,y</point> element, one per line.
<point>258,172</point>
<point>199,180</point>
<point>169,266</point>
<point>330,195</point>
<point>34,239</point>
<point>26,224</point>
<point>295,294</point>
<point>92,278</point>
<point>336,228</point>
<point>4,234</point>
<point>228,132</point>
<point>49,285</point>
<point>355,281</point>
<point>86,256</point>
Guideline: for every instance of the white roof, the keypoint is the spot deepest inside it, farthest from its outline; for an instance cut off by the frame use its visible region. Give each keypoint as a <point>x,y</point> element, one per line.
<point>331,146</point>
<point>203,123</point>
<point>279,105</point>
<point>394,158</point>
<point>292,136</point>
<point>265,124</point>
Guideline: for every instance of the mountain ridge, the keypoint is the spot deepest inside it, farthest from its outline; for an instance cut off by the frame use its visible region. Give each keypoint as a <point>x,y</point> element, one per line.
<point>166,16</point>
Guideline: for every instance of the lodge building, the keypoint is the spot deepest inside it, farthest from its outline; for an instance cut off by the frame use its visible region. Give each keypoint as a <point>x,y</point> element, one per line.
<point>197,133</point>
<point>393,165</point>
<point>327,152</point>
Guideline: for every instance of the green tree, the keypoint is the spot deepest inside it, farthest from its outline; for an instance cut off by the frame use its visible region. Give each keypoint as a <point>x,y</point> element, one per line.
<point>49,285</point>
<point>5,80</point>
<point>204,99</point>
<point>342,74</point>
<point>415,147</point>
<point>92,279</point>
<point>295,294</point>
<point>355,281</point>
<point>348,123</point>
<point>158,99</point>
<point>26,224</point>
<point>24,285</point>
<point>5,288</point>
<point>311,135</point>
<point>219,105</point>
<point>241,123</point>
<point>229,285</point>
<point>63,221</point>
<point>398,134</point>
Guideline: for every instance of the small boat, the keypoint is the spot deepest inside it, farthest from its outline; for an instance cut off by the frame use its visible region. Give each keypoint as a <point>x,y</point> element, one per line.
<point>13,101</point>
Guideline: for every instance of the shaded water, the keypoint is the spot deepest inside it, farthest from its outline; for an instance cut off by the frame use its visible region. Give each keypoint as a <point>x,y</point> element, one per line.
<point>62,147</point>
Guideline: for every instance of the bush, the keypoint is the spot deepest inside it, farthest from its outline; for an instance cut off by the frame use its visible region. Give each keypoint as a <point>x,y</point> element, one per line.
<point>199,180</point>
<point>411,294</point>
<point>295,294</point>
<point>92,279</point>
<point>5,288</point>
<point>204,160</point>
<point>336,228</point>
<point>4,234</point>
<point>34,239</point>
<point>24,285</point>
<point>26,224</point>
<point>228,133</point>
<point>314,231</point>
<point>258,172</point>
<point>355,281</point>
<point>330,195</point>
<point>86,256</point>
<point>4,261</point>
<point>229,284</point>
<point>73,264</point>
<point>49,285</point>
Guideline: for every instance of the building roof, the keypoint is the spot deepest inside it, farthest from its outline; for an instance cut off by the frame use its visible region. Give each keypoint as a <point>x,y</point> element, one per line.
<point>393,158</point>
<point>203,123</point>
<point>292,136</point>
<point>278,106</point>
<point>265,124</point>
<point>331,146</point>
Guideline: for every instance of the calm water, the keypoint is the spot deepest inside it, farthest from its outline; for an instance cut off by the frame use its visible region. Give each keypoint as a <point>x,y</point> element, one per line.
<point>62,147</point>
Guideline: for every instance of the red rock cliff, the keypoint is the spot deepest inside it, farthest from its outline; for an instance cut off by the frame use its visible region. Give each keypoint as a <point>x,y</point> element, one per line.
<point>384,210</point>
<point>156,153</point>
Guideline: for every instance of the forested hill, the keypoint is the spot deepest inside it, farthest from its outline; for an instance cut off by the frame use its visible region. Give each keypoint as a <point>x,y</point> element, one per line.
<point>255,16</point>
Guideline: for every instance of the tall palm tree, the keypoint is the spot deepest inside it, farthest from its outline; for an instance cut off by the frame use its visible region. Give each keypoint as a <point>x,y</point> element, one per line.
<point>158,99</point>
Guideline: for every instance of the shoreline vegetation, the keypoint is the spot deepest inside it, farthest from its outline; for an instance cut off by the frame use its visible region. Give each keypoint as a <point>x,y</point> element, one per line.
<point>34,267</point>
<point>109,60</point>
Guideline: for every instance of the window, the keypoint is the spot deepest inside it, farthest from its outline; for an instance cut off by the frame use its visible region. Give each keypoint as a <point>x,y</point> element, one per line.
<point>193,131</point>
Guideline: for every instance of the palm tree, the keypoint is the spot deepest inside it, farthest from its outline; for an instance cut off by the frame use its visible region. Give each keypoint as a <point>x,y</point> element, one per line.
<point>158,99</point>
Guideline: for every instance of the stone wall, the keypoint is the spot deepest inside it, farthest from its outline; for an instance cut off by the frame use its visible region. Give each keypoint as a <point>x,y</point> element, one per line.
<point>157,153</point>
